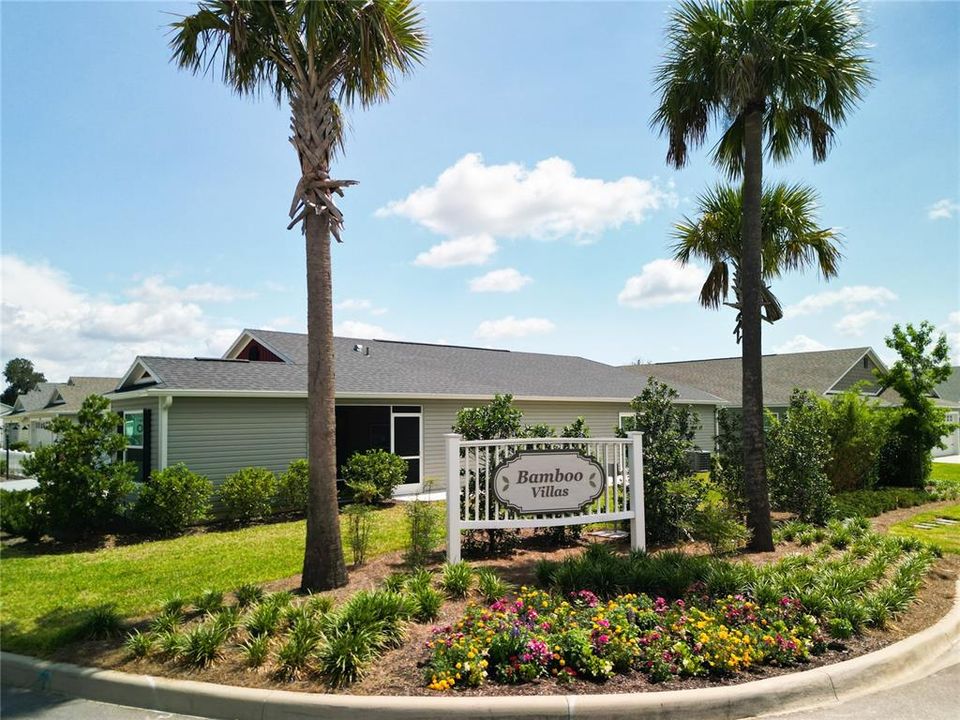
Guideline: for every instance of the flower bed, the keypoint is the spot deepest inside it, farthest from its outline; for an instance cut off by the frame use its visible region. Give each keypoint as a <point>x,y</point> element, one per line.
<point>539,635</point>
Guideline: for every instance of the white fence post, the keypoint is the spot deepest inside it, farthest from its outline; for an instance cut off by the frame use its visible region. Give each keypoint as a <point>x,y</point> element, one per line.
<point>453,497</point>
<point>638,524</point>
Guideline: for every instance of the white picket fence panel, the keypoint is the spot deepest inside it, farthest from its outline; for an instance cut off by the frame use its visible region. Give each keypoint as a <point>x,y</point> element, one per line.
<point>16,460</point>
<point>470,465</point>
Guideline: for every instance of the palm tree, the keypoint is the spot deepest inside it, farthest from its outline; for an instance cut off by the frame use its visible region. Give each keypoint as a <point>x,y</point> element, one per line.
<point>772,75</point>
<point>316,56</point>
<point>791,240</point>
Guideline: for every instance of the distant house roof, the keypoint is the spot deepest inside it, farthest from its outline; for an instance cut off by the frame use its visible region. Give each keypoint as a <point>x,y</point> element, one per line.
<point>949,389</point>
<point>63,398</point>
<point>820,371</point>
<point>384,368</point>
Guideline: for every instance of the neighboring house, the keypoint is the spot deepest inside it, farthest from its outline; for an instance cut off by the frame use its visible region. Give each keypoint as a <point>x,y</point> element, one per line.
<point>825,372</point>
<point>250,406</point>
<point>949,391</point>
<point>33,411</point>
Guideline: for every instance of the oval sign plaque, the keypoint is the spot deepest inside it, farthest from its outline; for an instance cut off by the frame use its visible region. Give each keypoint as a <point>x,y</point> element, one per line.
<point>547,481</point>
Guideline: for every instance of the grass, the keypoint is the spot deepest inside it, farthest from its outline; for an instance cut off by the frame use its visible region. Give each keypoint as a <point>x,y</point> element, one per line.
<point>946,537</point>
<point>945,471</point>
<point>44,598</point>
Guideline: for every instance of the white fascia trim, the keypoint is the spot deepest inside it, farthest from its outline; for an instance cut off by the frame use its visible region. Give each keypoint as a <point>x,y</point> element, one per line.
<point>876,360</point>
<point>149,392</point>
<point>138,363</point>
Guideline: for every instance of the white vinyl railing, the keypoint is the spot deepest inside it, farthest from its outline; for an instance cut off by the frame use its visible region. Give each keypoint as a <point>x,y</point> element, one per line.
<point>472,503</point>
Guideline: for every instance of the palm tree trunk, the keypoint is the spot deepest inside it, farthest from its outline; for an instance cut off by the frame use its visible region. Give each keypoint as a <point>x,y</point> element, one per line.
<point>754,464</point>
<point>323,564</point>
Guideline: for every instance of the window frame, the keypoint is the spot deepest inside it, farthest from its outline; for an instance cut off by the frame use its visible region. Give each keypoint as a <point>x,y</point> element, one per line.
<point>142,429</point>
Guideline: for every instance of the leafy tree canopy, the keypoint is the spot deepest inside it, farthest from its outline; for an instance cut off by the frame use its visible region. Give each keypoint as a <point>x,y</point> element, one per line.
<point>21,378</point>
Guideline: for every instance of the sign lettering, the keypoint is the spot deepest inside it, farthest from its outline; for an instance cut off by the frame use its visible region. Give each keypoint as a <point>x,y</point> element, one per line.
<point>548,481</point>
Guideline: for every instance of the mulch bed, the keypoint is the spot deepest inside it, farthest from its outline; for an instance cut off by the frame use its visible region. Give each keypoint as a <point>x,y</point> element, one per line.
<point>398,672</point>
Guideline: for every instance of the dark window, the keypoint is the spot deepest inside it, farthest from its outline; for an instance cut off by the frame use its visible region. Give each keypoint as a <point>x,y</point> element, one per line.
<point>361,428</point>
<point>406,408</point>
<point>413,471</point>
<point>865,362</point>
<point>406,436</point>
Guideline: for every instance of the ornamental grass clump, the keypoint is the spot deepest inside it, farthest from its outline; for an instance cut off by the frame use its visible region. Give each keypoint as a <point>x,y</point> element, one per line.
<point>138,644</point>
<point>263,619</point>
<point>203,645</point>
<point>457,579</point>
<point>209,601</point>
<point>255,650</point>
<point>100,623</point>
<point>248,594</point>
<point>491,586</point>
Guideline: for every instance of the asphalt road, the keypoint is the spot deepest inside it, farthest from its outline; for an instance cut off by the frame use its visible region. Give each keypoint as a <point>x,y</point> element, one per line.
<point>18,704</point>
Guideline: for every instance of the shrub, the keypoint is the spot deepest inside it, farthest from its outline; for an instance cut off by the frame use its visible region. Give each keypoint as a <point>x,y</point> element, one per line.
<point>203,645</point>
<point>491,586</point>
<point>428,603</point>
<point>293,486</point>
<point>101,623</point>
<point>174,605</point>
<point>166,622</point>
<point>21,514</point>
<point>726,463</point>
<point>668,432</point>
<point>138,644</point>
<point>294,655</point>
<point>248,594</point>
<point>255,650</point>
<point>720,527</point>
<point>80,485</point>
<point>418,580</point>
<point>870,503</point>
<point>172,499</point>
<point>386,612</point>
<point>857,431</point>
<point>347,652</point>
<point>797,452</point>
<point>457,579</point>
<point>424,527</point>
<point>577,429</point>
<point>263,619</point>
<point>359,526</point>
<point>249,493</point>
<point>209,601</point>
<point>21,445</point>
<point>378,468</point>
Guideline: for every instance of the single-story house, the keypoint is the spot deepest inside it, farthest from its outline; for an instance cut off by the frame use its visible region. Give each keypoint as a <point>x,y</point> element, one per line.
<point>249,407</point>
<point>32,412</point>
<point>949,391</point>
<point>825,372</point>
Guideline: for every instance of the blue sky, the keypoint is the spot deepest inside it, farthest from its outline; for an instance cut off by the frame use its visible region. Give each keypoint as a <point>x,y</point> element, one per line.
<point>143,209</point>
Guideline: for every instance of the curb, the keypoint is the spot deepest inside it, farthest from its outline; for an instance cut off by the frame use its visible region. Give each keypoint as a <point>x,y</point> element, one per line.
<point>903,660</point>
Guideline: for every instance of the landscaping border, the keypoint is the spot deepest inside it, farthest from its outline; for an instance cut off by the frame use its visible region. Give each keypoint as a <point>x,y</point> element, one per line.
<point>908,658</point>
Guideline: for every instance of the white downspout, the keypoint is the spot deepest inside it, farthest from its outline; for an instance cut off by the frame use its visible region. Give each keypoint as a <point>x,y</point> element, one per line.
<point>165,402</point>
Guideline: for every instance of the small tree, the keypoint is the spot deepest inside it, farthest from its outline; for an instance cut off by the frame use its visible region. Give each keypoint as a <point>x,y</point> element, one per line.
<point>798,453</point>
<point>81,486</point>
<point>924,363</point>
<point>668,431</point>
<point>857,431</point>
<point>21,378</point>
<point>577,429</point>
<point>498,420</point>
<point>372,475</point>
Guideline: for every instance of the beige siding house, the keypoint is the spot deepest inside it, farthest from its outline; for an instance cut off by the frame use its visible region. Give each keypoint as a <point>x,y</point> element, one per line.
<point>249,407</point>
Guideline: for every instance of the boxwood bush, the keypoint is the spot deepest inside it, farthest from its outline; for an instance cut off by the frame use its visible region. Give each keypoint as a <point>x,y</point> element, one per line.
<point>249,493</point>
<point>293,485</point>
<point>377,469</point>
<point>172,499</point>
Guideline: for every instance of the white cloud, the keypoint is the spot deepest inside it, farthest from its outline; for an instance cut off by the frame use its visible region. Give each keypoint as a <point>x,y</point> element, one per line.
<point>155,289</point>
<point>467,250</point>
<point>505,280</point>
<point>849,297</point>
<point>549,202</point>
<point>362,305</point>
<point>356,329</point>
<point>66,331</point>
<point>512,327</point>
<point>952,331</point>
<point>855,324</point>
<point>662,282</point>
<point>800,343</point>
<point>954,318</point>
<point>943,209</point>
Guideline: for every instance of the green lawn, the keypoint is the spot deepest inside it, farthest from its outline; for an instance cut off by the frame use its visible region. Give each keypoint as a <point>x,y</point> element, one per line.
<point>44,596</point>
<point>946,537</point>
<point>945,471</point>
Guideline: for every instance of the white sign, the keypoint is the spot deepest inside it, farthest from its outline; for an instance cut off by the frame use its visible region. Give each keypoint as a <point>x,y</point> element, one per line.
<point>548,481</point>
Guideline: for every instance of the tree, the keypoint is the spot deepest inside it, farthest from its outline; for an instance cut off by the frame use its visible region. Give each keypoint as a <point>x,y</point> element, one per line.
<point>21,378</point>
<point>81,487</point>
<point>790,240</point>
<point>778,74</point>
<point>668,432</point>
<point>924,363</point>
<point>318,57</point>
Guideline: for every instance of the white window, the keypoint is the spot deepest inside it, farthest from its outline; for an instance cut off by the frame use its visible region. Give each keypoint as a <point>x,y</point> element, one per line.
<point>626,420</point>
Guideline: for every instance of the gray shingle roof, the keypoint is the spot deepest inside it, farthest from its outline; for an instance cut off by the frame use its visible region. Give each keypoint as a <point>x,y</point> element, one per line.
<point>950,388</point>
<point>816,371</point>
<point>64,398</point>
<point>411,369</point>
